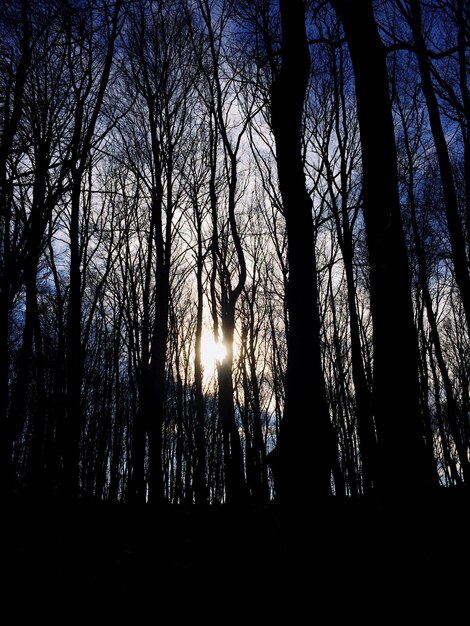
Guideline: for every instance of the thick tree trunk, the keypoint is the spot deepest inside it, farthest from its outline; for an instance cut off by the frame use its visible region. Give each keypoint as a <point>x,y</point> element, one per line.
<point>303,460</point>
<point>405,462</point>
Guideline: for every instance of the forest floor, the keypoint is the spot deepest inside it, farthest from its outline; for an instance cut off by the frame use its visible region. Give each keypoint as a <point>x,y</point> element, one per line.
<point>346,557</point>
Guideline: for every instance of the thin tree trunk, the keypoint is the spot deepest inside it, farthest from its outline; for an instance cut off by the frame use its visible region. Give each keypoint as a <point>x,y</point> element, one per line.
<point>200,485</point>
<point>449,462</point>
<point>452,408</point>
<point>74,360</point>
<point>40,215</point>
<point>454,224</point>
<point>36,477</point>
<point>259,447</point>
<point>156,384</point>
<point>245,411</point>
<point>137,486</point>
<point>342,398</point>
<point>12,116</point>
<point>233,455</point>
<point>363,395</point>
<point>117,427</point>
<point>179,494</point>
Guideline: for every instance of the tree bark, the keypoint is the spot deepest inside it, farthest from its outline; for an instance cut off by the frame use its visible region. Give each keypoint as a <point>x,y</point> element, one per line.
<point>303,459</point>
<point>405,462</point>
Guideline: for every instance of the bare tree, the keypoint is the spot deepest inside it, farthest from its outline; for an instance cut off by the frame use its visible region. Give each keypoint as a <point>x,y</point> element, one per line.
<point>16,61</point>
<point>395,339</point>
<point>298,471</point>
<point>413,13</point>
<point>160,69</point>
<point>221,107</point>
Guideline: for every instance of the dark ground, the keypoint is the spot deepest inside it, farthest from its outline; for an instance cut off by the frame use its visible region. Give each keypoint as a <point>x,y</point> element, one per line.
<point>321,563</point>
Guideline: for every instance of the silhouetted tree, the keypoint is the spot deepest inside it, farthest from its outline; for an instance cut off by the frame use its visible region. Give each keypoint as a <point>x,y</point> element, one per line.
<point>345,204</point>
<point>16,29</point>
<point>397,412</point>
<point>161,72</point>
<point>291,175</point>
<point>88,83</point>
<point>413,13</point>
<point>303,459</point>
<point>228,137</point>
<point>411,148</point>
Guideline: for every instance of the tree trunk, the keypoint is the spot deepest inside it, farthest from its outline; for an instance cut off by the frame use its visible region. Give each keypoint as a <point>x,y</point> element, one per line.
<point>200,485</point>
<point>343,405</point>
<point>463,14</point>
<point>11,119</point>
<point>454,224</point>
<point>405,463</point>
<point>179,494</point>
<point>40,211</point>
<point>452,408</point>
<point>235,486</point>
<point>259,448</point>
<point>156,383</point>
<point>365,416</point>
<point>450,465</point>
<point>303,460</point>
<point>74,366</point>
<point>36,477</point>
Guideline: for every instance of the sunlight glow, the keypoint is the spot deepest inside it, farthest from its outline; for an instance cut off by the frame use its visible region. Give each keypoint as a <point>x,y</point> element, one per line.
<point>212,352</point>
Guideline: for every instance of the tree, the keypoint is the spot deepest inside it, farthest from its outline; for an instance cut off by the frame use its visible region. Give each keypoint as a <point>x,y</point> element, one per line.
<point>413,14</point>
<point>17,61</point>
<point>221,105</point>
<point>88,88</point>
<point>303,458</point>
<point>160,69</point>
<point>411,148</point>
<point>396,395</point>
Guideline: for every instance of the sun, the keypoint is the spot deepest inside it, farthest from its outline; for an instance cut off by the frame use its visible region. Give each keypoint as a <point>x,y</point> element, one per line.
<point>212,352</point>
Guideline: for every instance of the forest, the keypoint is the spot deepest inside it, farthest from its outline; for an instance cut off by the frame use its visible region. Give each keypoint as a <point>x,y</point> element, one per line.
<point>234,248</point>
<point>235,265</point>
<point>234,272</point>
